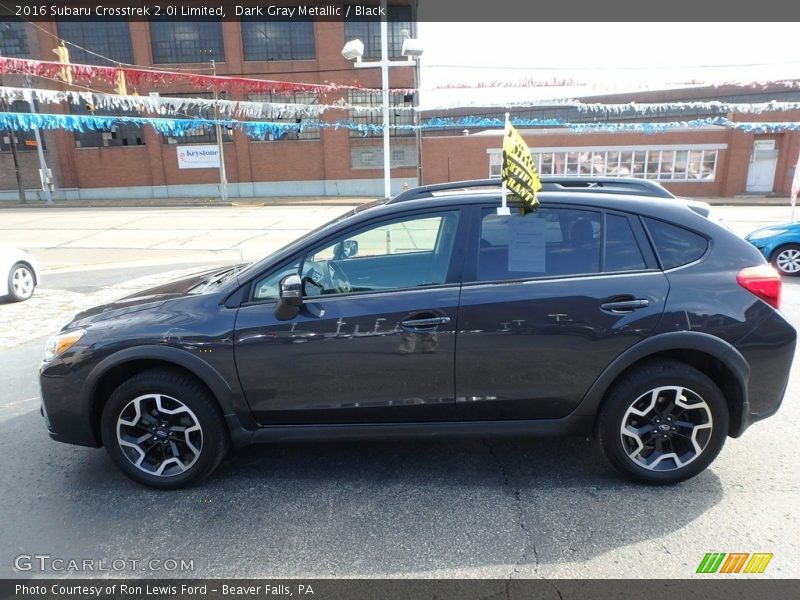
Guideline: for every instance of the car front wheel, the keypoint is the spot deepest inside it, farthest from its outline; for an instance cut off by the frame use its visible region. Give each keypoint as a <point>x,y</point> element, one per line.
<point>21,282</point>
<point>663,423</point>
<point>787,259</point>
<point>163,429</point>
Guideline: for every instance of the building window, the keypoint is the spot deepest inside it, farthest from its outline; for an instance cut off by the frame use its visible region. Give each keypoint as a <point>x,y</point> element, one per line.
<point>13,40</point>
<point>26,140</point>
<point>201,134</point>
<point>400,113</point>
<point>278,40</point>
<point>105,42</point>
<point>186,41</point>
<point>657,164</point>
<point>122,134</point>
<point>404,154</point>
<point>309,132</point>
<point>368,31</point>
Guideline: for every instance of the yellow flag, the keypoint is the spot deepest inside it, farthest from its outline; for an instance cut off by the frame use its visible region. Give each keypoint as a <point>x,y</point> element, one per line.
<point>63,57</point>
<point>122,88</point>
<point>519,171</point>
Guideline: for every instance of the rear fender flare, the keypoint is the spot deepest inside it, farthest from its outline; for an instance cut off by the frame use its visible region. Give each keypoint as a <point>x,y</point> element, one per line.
<point>677,340</point>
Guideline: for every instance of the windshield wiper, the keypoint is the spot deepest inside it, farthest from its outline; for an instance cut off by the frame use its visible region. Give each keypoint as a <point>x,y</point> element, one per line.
<point>207,284</point>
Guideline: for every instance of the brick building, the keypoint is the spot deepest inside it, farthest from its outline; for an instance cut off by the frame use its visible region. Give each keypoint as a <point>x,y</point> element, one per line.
<point>134,161</point>
<point>138,162</point>
<point>702,161</point>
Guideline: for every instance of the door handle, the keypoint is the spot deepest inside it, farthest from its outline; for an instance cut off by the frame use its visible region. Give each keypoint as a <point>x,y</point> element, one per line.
<point>425,323</point>
<point>625,306</point>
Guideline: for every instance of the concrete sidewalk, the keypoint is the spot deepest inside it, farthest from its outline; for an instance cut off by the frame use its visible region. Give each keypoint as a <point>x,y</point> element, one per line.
<point>183,202</point>
<point>82,238</point>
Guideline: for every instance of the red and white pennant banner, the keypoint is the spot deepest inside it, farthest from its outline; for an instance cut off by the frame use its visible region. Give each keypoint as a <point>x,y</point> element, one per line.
<point>151,78</point>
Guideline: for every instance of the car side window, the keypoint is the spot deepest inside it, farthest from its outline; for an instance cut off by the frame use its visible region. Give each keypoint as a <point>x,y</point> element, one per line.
<point>400,253</point>
<point>546,243</point>
<point>675,245</point>
<point>268,288</point>
<point>622,249</point>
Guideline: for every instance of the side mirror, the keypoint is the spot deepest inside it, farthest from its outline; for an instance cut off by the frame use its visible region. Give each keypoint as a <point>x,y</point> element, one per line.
<point>291,298</point>
<point>350,248</point>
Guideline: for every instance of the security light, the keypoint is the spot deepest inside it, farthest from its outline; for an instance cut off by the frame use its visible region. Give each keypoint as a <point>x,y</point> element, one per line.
<point>353,50</point>
<point>412,48</point>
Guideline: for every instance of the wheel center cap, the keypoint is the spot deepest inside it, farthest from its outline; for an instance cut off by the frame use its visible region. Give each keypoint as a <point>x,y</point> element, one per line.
<point>663,427</point>
<point>162,433</point>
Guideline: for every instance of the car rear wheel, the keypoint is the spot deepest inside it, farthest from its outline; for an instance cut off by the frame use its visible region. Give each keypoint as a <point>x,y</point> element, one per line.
<point>21,282</point>
<point>663,423</point>
<point>787,259</point>
<point>163,429</point>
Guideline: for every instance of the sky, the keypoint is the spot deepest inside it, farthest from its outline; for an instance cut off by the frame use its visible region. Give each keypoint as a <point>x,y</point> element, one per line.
<point>605,56</point>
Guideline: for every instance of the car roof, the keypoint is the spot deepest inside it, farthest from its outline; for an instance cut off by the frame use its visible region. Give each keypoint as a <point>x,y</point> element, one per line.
<point>645,205</point>
<point>601,185</point>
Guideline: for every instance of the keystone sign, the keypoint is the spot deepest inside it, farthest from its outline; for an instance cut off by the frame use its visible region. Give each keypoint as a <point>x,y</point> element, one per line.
<point>198,157</point>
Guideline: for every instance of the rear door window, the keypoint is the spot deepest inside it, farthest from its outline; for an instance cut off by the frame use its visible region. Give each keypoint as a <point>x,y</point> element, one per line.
<point>550,242</point>
<point>675,245</point>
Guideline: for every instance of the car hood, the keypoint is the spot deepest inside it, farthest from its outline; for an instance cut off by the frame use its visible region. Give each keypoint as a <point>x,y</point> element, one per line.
<point>775,230</point>
<point>150,298</point>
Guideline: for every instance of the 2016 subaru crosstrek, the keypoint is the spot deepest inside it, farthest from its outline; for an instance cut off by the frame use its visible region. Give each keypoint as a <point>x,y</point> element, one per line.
<point>632,318</point>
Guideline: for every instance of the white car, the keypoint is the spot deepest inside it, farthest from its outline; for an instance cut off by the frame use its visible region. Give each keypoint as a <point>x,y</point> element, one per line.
<point>19,273</point>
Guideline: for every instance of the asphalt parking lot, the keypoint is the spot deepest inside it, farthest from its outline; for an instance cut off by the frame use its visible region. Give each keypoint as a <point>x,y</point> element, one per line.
<point>475,508</point>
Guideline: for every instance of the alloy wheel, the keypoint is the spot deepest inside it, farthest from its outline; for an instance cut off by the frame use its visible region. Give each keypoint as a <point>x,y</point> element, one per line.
<point>666,428</point>
<point>788,261</point>
<point>159,435</point>
<point>22,282</point>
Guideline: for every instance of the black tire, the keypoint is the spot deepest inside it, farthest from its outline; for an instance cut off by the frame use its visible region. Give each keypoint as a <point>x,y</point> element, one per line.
<point>786,260</point>
<point>186,457</point>
<point>661,450</point>
<point>21,282</point>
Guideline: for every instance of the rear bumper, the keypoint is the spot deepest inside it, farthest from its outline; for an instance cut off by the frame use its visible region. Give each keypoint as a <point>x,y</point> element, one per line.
<point>769,351</point>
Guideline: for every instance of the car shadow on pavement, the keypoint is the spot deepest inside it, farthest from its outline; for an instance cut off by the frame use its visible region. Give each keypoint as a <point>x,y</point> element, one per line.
<point>485,508</point>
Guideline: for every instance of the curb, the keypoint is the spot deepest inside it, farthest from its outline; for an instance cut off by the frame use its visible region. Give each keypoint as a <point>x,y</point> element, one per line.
<point>189,202</point>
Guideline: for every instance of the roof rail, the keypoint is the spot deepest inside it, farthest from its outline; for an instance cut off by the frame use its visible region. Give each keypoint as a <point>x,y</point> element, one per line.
<point>425,191</point>
<point>607,185</point>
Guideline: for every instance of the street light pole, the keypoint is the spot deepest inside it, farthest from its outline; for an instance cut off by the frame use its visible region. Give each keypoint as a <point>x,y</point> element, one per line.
<point>387,157</point>
<point>354,50</point>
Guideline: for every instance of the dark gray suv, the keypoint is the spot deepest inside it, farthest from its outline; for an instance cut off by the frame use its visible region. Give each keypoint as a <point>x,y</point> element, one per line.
<point>627,316</point>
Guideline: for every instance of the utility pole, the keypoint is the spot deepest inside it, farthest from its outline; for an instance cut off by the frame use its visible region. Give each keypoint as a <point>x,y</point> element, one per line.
<point>223,178</point>
<point>42,164</point>
<point>12,141</point>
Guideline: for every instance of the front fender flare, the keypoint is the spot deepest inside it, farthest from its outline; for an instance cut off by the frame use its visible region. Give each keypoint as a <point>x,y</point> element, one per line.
<point>229,398</point>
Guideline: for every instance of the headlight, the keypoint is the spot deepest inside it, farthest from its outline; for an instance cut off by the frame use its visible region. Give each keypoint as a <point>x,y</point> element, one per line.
<point>61,342</point>
<point>758,235</point>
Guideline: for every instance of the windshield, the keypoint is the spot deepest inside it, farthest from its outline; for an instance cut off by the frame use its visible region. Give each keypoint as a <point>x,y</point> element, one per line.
<point>258,264</point>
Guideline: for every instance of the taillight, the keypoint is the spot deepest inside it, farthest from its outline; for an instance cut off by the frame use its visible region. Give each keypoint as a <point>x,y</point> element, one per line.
<point>763,281</point>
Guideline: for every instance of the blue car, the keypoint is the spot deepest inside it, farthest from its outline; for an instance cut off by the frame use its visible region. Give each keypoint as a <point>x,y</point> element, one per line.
<point>780,245</point>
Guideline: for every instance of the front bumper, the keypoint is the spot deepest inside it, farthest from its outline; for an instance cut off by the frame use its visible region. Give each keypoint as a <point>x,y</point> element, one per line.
<point>67,414</point>
<point>762,246</point>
